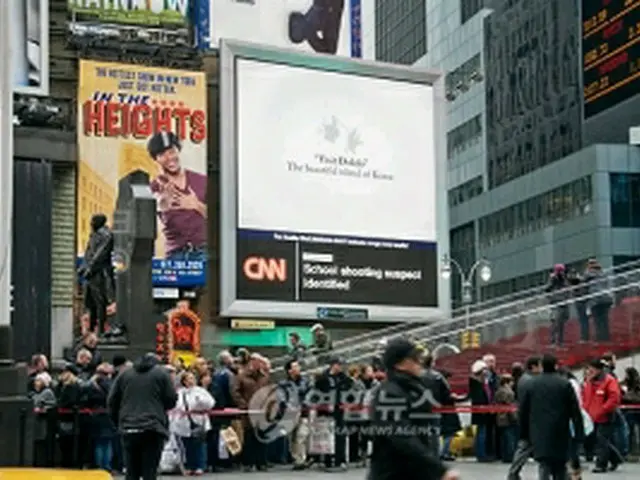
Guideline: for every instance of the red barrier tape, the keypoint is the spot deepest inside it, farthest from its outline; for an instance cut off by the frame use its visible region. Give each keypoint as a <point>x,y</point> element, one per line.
<point>233,412</point>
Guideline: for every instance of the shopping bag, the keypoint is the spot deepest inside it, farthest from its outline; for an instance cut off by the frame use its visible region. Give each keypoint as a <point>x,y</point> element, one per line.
<point>322,436</point>
<point>231,440</point>
<point>172,457</point>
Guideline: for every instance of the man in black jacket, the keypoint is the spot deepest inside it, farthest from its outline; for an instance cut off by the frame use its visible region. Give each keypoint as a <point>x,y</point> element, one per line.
<point>548,410</point>
<point>138,404</point>
<point>401,416</point>
<point>524,450</point>
<point>335,384</point>
<point>439,387</point>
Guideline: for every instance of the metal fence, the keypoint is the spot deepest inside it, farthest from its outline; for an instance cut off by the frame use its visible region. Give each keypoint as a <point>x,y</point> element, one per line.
<point>494,323</point>
<point>494,307</point>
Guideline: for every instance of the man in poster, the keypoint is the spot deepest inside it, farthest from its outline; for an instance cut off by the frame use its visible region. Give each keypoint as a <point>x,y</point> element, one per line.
<point>181,197</point>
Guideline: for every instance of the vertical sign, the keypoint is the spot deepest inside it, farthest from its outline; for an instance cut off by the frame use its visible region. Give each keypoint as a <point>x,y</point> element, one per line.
<point>356,29</point>
<point>133,118</point>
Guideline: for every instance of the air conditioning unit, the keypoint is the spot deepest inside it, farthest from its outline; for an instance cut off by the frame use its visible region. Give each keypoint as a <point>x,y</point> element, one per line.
<point>462,86</point>
<point>476,76</point>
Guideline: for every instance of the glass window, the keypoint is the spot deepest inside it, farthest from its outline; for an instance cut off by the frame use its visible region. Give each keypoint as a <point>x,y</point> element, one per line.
<point>556,206</point>
<point>625,199</point>
<point>399,23</point>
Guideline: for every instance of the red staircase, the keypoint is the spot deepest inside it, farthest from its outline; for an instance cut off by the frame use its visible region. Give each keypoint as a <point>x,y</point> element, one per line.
<point>624,326</point>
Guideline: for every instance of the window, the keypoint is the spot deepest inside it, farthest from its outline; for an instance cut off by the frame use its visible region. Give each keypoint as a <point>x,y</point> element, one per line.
<point>466,191</point>
<point>400,30</point>
<point>553,207</point>
<point>625,199</point>
<point>463,136</point>
<point>468,8</point>
<point>459,80</point>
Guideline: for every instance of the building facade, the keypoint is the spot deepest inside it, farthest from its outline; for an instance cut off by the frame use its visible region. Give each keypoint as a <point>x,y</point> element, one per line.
<point>523,192</point>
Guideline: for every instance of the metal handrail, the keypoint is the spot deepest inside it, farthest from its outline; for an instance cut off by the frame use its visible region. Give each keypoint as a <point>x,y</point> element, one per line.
<point>478,318</point>
<point>476,308</point>
<point>528,292</point>
<point>459,324</point>
<point>377,335</point>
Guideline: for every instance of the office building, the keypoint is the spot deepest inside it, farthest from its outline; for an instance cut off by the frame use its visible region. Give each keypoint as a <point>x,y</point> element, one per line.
<point>526,188</point>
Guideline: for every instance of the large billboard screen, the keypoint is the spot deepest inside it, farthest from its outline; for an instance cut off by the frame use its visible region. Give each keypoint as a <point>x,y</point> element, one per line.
<point>322,26</point>
<point>153,120</point>
<point>331,191</point>
<point>611,53</point>
<point>30,45</point>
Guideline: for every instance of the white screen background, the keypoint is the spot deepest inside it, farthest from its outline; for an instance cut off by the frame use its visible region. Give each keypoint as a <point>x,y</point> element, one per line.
<point>282,116</point>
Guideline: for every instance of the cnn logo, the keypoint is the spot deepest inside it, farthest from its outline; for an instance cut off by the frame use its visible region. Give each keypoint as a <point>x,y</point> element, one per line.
<point>259,269</point>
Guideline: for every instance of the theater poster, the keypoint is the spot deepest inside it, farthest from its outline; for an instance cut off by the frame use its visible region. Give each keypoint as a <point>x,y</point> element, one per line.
<point>136,118</point>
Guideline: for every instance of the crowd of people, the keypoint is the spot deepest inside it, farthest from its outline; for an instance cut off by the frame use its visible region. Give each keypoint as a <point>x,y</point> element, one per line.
<point>589,292</point>
<point>76,426</point>
<point>600,407</point>
<point>93,412</point>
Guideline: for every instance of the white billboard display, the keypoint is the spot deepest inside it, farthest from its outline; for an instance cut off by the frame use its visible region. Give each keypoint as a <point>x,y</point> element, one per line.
<point>333,195</point>
<point>30,46</point>
<point>322,26</point>
<point>348,148</point>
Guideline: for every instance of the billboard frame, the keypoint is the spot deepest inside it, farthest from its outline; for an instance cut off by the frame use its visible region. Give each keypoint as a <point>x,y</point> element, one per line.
<point>230,51</point>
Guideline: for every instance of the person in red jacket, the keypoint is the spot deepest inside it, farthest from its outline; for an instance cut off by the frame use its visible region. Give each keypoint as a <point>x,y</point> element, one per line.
<point>601,398</point>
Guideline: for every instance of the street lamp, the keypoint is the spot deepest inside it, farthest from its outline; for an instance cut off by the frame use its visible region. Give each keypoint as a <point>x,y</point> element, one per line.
<point>481,267</point>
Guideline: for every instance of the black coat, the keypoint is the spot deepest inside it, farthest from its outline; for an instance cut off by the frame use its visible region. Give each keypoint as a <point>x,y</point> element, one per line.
<point>101,425</point>
<point>547,407</point>
<point>140,397</point>
<point>478,397</point>
<point>449,422</point>
<point>401,445</point>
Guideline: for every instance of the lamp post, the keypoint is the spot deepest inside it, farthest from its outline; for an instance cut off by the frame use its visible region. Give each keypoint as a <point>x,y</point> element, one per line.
<point>481,266</point>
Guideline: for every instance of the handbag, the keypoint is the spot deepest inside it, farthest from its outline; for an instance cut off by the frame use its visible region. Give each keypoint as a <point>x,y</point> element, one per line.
<point>197,430</point>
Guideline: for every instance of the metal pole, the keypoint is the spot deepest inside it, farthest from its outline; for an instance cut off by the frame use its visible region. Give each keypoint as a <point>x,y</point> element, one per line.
<point>467,317</point>
<point>6,157</point>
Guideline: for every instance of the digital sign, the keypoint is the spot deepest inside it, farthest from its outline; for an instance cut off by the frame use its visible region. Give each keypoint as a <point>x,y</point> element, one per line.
<point>270,267</point>
<point>611,52</point>
<point>325,213</point>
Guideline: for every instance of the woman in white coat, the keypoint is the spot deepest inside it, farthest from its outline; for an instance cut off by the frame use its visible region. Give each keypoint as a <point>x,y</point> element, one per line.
<point>191,423</point>
<point>574,457</point>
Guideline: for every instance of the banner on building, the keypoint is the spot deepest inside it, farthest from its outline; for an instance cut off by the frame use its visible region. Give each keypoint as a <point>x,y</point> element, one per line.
<point>131,12</point>
<point>323,26</point>
<point>134,118</point>
<point>30,45</point>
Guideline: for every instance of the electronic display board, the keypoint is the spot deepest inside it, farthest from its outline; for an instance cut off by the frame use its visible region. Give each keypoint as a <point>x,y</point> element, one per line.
<point>611,52</point>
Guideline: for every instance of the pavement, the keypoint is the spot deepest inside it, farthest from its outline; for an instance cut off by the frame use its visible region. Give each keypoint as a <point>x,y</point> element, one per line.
<point>469,470</point>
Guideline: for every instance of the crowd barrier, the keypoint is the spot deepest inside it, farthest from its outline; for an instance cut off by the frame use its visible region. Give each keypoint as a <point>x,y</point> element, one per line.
<point>236,412</point>
<point>50,442</point>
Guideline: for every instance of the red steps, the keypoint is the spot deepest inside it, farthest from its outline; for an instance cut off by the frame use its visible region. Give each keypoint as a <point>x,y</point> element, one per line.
<point>624,326</point>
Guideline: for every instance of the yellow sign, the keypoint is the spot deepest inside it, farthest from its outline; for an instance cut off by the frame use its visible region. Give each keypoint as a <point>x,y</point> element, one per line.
<point>469,339</point>
<point>133,118</point>
<point>52,473</point>
<point>238,324</point>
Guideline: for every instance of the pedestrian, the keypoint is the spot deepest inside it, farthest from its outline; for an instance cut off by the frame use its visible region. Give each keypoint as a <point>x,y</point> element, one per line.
<point>524,449</point>
<point>601,397</point>
<point>138,403</point>
<point>547,410</point>
<point>401,439</point>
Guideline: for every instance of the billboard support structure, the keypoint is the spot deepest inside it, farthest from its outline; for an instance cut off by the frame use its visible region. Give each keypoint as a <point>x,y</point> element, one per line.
<point>382,259</point>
